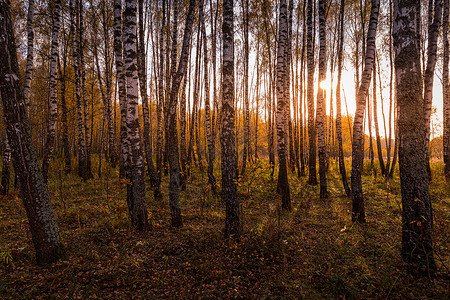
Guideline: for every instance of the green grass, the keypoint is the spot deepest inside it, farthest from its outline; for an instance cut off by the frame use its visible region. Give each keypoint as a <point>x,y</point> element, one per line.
<point>312,252</point>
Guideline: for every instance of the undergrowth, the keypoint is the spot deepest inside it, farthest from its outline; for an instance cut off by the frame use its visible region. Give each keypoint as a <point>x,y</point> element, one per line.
<point>311,252</point>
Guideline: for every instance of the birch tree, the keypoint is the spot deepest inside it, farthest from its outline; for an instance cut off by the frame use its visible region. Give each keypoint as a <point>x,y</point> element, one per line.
<point>134,166</point>
<point>434,19</point>
<point>76,66</point>
<point>445,91</point>
<point>282,102</point>
<point>310,95</point>
<point>53,93</point>
<point>358,214</point>
<point>209,133</point>
<point>142,66</point>
<point>172,137</point>
<point>338,101</point>
<point>34,194</point>
<point>229,161</point>
<point>321,110</point>
<point>417,246</point>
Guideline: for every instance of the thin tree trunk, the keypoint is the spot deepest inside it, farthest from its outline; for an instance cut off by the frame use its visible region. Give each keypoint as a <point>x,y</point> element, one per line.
<point>321,109</point>
<point>358,214</point>
<point>211,178</point>
<point>142,69</point>
<point>445,92</point>
<point>84,91</point>
<point>375,121</point>
<point>282,102</point>
<point>310,96</point>
<point>246,151</point>
<point>433,34</point>
<point>30,42</point>
<point>229,161</point>
<point>64,121</point>
<point>76,66</point>
<point>172,140</point>
<point>159,130</point>
<point>43,227</point>
<point>49,145</point>
<point>338,102</point>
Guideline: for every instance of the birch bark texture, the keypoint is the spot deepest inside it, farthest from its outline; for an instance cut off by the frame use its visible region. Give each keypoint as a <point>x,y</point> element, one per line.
<point>312,179</point>
<point>358,214</point>
<point>445,90</point>
<point>282,103</point>
<point>321,110</point>
<point>35,197</point>
<point>134,169</point>
<point>417,247</point>
<point>229,160</point>
<point>53,93</point>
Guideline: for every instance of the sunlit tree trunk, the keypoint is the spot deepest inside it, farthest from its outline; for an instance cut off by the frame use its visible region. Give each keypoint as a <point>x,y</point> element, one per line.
<point>229,162</point>
<point>53,93</point>
<point>142,70</point>
<point>358,214</point>
<point>445,92</point>
<point>321,110</point>
<point>172,140</point>
<point>417,247</point>
<point>310,96</point>
<point>433,34</point>
<point>338,101</point>
<point>375,121</point>
<point>33,190</point>
<point>282,102</point>
<point>134,167</point>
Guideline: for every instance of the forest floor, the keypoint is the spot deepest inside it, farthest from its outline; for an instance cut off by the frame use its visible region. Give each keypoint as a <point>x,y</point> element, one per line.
<point>312,252</point>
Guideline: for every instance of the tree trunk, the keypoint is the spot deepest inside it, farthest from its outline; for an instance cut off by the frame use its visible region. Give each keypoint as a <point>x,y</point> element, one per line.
<point>142,67</point>
<point>375,121</point>
<point>417,247</point>
<point>30,42</point>
<point>321,109</point>
<point>338,102</point>
<point>358,214</point>
<point>245,155</point>
<point>42,221</point>
<point>64,120</point>
<point>159,130</point>
<point>6,166</point>
<point>445,92</point>
<point>282,102</point>
<point>310,96</point>
<point>229,162</point>
<point>76,66</point>
<point>88,168</point>
<point>211,178</point>
<point>172,140</point>
<point>53,93</point>
<point>433,34</point>
<point>134,167</point>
